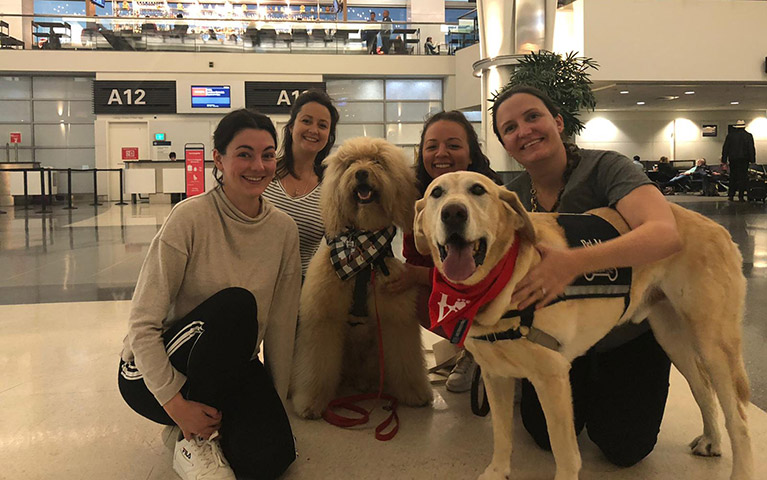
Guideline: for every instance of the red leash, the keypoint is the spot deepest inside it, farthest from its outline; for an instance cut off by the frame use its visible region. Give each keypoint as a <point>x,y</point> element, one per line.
<point>349,403</point>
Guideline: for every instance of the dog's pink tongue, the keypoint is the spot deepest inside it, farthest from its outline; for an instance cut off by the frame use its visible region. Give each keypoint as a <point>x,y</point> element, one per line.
<point>459,263</point>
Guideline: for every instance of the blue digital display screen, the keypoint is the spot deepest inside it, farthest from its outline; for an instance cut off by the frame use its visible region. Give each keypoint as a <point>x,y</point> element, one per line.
<point>211,97</point>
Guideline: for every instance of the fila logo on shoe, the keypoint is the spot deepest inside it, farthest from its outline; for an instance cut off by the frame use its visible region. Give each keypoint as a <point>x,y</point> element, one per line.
<point>445,309</point>
<point>186,453</point>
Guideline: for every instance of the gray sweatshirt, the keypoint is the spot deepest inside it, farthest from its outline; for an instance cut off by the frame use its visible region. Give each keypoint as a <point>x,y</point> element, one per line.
<point>206,245</point>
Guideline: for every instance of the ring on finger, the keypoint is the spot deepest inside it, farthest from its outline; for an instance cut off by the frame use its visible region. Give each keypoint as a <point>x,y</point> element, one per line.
<point>543,291</point>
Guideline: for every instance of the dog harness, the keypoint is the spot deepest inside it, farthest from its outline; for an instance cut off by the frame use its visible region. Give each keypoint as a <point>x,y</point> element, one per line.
<point>581,230</point>
<point>355,253</point>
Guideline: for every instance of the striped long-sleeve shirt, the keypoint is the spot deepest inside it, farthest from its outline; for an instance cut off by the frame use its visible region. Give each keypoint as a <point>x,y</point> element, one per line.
<point>305,211</point>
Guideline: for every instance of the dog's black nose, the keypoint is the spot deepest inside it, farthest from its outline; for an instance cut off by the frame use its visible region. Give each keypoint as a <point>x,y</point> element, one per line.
<point>454,216</point>
<point>361,175</point>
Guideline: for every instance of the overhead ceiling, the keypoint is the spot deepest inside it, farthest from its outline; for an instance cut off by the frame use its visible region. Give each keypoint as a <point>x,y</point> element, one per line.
<point>661,96</point>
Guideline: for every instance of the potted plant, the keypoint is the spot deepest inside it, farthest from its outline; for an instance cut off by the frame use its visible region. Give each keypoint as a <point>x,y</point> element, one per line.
<point>564,79</point>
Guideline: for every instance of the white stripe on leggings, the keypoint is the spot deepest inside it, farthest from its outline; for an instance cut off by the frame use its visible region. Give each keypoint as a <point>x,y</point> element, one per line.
<point>129,371</point>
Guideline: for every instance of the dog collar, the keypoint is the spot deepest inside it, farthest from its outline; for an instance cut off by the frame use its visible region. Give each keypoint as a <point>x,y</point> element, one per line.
<point>452,307</point>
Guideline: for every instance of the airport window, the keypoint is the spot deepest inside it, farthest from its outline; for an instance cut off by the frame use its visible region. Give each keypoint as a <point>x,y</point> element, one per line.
<point>430,89</point>
<point>16,111</point>
<point>411,111</point>
<point>54,116</point>
<point>355,89</point>
<point>64,110</point>
<point>394,109</point>
<point>357,112</point>
<point>345,131</point>
<point>62,88</point>
<point>13,88</point>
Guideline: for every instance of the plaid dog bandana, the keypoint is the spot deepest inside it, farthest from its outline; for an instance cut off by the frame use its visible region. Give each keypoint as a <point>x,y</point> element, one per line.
<point>354,250</point>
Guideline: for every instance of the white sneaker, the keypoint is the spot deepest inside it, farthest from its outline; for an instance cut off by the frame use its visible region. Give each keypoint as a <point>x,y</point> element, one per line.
<point>200,459</point>
<point>460,377</point>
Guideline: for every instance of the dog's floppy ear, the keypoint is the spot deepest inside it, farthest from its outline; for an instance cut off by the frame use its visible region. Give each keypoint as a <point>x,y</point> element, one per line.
<point>330,199</point>
<point>520,218</point>
<point>421,243</point>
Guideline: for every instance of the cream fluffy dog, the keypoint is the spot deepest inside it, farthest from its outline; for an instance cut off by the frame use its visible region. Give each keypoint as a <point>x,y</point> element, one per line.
<point>368,186</point>
<point>693,320</point>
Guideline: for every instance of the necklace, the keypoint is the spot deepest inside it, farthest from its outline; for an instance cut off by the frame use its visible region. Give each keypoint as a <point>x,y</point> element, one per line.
<point>301,187</point>
<point>534,199</point>
<point>573,159</point>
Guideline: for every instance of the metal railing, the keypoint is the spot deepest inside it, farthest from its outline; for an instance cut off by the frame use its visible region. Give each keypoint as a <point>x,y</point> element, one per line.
<point>46,200</point>
<point>249,33</point>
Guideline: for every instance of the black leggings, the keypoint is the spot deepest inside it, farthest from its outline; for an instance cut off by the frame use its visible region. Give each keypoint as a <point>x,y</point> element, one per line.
<point>213,346</point>
<point>619,395</point>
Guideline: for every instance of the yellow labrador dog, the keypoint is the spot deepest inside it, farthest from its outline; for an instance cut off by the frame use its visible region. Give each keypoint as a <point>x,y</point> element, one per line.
<point>698,326</point>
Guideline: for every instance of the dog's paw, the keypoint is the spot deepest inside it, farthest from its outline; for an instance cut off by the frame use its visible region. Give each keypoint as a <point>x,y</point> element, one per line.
<point>417,397</point>
<point>305,408</point>
<point>705,447</point>
<point>493,472</point>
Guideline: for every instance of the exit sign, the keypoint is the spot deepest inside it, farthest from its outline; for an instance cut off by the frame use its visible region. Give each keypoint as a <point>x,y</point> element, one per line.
<point>159,137</point>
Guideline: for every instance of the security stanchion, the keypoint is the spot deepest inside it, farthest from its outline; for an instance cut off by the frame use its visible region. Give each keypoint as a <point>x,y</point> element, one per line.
<point>26,192</point>
<point>121,202</point>
<point>95,189</point>
<point>50,188</point>
<point>69,190</point>
<point>42,192</point>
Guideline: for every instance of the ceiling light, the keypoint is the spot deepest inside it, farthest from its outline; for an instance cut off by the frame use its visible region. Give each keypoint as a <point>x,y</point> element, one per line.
<point>689,92</point>
<point>624,92</point>
<point>734,103</point>
<point>640,103</point>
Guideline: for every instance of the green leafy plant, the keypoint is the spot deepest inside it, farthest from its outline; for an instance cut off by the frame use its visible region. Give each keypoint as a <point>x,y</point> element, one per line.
<point>564,79</point>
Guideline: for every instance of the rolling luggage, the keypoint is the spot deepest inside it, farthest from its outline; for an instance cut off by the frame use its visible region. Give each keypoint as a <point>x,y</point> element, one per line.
<point>757,191</point>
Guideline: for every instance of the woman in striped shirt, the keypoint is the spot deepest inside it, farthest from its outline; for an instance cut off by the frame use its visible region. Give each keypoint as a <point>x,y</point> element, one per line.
<point>306,141</point>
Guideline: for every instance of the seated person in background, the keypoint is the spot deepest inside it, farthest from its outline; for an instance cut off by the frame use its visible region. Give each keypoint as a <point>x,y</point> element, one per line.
<point>638,164</point>
<point>172,156</point>
<point>662,171</point>
<point>399,45</point>
<point>179,30</point>
<point>430,48</point>
<point>716,175</point>
<point>211,35</point>
<point>682,181</point>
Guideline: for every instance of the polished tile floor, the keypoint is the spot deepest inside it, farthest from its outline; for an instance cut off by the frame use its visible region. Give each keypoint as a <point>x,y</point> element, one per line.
<point>65,282</point>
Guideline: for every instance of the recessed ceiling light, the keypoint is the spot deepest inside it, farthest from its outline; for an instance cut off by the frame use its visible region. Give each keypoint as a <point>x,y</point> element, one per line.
<point>624,92</point>
<point>640,103</point>
<point>734,103</point>
<point>689,92</point>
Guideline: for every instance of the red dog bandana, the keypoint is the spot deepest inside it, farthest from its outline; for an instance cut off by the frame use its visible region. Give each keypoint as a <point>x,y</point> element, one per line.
<point>452,307</point>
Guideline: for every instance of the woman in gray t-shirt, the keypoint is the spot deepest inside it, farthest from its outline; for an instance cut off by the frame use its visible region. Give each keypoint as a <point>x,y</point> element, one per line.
<point>620,385</point>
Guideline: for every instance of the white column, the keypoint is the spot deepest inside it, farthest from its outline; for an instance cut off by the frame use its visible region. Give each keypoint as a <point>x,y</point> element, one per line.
<point>427,11</point>
<point>508,29</point>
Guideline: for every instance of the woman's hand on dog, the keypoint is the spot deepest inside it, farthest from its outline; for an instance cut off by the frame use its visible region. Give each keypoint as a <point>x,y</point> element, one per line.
<point>409,277</point>
<point>192,417</point>
<point>547,280</point>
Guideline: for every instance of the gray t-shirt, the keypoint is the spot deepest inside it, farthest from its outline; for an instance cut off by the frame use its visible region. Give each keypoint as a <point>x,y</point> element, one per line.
<point>601,179</point>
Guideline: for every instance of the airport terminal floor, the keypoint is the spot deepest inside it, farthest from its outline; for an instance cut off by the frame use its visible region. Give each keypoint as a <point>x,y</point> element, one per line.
<point>67,278</point>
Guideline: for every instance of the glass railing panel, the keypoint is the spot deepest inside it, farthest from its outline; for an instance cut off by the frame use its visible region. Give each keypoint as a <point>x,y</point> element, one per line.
<point>237,35</point>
